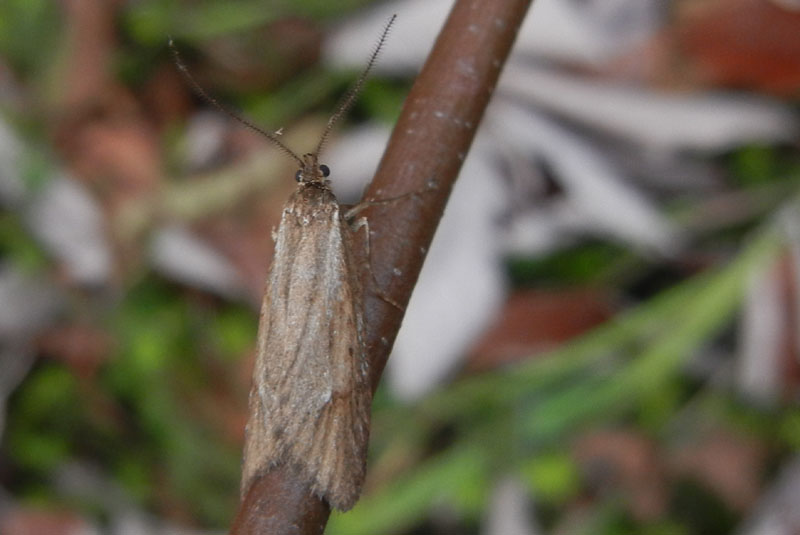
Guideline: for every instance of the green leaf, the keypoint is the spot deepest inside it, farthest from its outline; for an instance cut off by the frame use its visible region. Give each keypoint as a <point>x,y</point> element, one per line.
<point>453,477</point>
<point>553,476</point>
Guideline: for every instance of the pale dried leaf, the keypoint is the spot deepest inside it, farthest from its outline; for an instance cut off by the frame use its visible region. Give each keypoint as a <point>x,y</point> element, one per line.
<point>181,256</point>
<point>598,200</point>
<point>589,33</point>
<point>777,512</point>
<point>509,511</point>
<point>12,189</point>
<point>461,286</point>
<point>656,121</point>
<point>70,224</point>
<point>760,360</point>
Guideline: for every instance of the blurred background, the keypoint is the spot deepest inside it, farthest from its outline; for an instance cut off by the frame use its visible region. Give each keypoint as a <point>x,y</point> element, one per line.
<point>604,337</point>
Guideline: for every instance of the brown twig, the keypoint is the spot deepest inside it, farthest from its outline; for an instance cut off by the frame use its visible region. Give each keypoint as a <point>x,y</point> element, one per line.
<point>425,153</point>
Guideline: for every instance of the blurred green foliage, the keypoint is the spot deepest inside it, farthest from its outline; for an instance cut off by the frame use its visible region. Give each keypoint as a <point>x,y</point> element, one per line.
<point>757,164</point>
<point>28,32</point>
<point>552,475</point>
<point>589,263</point>
<point>42,428</point>
<point>166,360</point>
<point>150,20</point>
<point>154,441</point>
<point>17,247</point>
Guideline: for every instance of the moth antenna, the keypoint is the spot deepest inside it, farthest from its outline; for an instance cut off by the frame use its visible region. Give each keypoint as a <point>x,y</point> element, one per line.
<point>199,91</point>
<point>349,98</point>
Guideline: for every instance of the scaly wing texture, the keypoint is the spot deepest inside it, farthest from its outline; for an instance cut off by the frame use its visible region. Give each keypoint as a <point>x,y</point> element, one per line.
<point>310,400</point>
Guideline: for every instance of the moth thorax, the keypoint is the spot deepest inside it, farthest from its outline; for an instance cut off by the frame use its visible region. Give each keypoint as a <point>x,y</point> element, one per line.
<point>311,170</point>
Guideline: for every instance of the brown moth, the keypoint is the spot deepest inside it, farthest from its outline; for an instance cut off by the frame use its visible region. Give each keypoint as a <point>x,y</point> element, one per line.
<point>310,398</point>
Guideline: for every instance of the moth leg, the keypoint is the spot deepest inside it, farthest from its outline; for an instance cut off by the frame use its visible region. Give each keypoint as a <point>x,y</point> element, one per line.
<point>363,205</point>
<point>356,226</point>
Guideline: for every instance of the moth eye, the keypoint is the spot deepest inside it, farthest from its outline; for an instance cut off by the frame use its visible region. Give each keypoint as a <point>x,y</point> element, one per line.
<point>325,170</point>
<point>298,175</point>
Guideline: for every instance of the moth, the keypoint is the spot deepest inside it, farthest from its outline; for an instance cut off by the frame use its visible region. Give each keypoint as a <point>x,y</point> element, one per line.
<point>310,398</point>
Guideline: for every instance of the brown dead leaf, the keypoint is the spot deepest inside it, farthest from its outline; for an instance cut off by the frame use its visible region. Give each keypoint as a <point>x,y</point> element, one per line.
<point>791,351</point>
<point>120,158</point>
<point>741,43</point>
<point>262,58</point>
<point>729,464</point>
<point>747,44</point>
<point>98,126</point>
<point>90,43</point>
<point>627,463</point>
<point>166,96</point>
<point>82,347</point>
<point>535,321</point>
<point>24,521</point>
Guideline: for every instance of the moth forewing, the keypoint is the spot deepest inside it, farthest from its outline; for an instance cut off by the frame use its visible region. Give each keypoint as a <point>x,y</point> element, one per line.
<point>310,402</point>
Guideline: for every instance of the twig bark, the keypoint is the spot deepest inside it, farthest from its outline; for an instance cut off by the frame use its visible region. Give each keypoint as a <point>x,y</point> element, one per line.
<point>425,153</point>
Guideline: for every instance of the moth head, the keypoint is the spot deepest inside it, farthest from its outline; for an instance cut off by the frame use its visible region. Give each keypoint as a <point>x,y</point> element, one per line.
<point>312,172</point>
